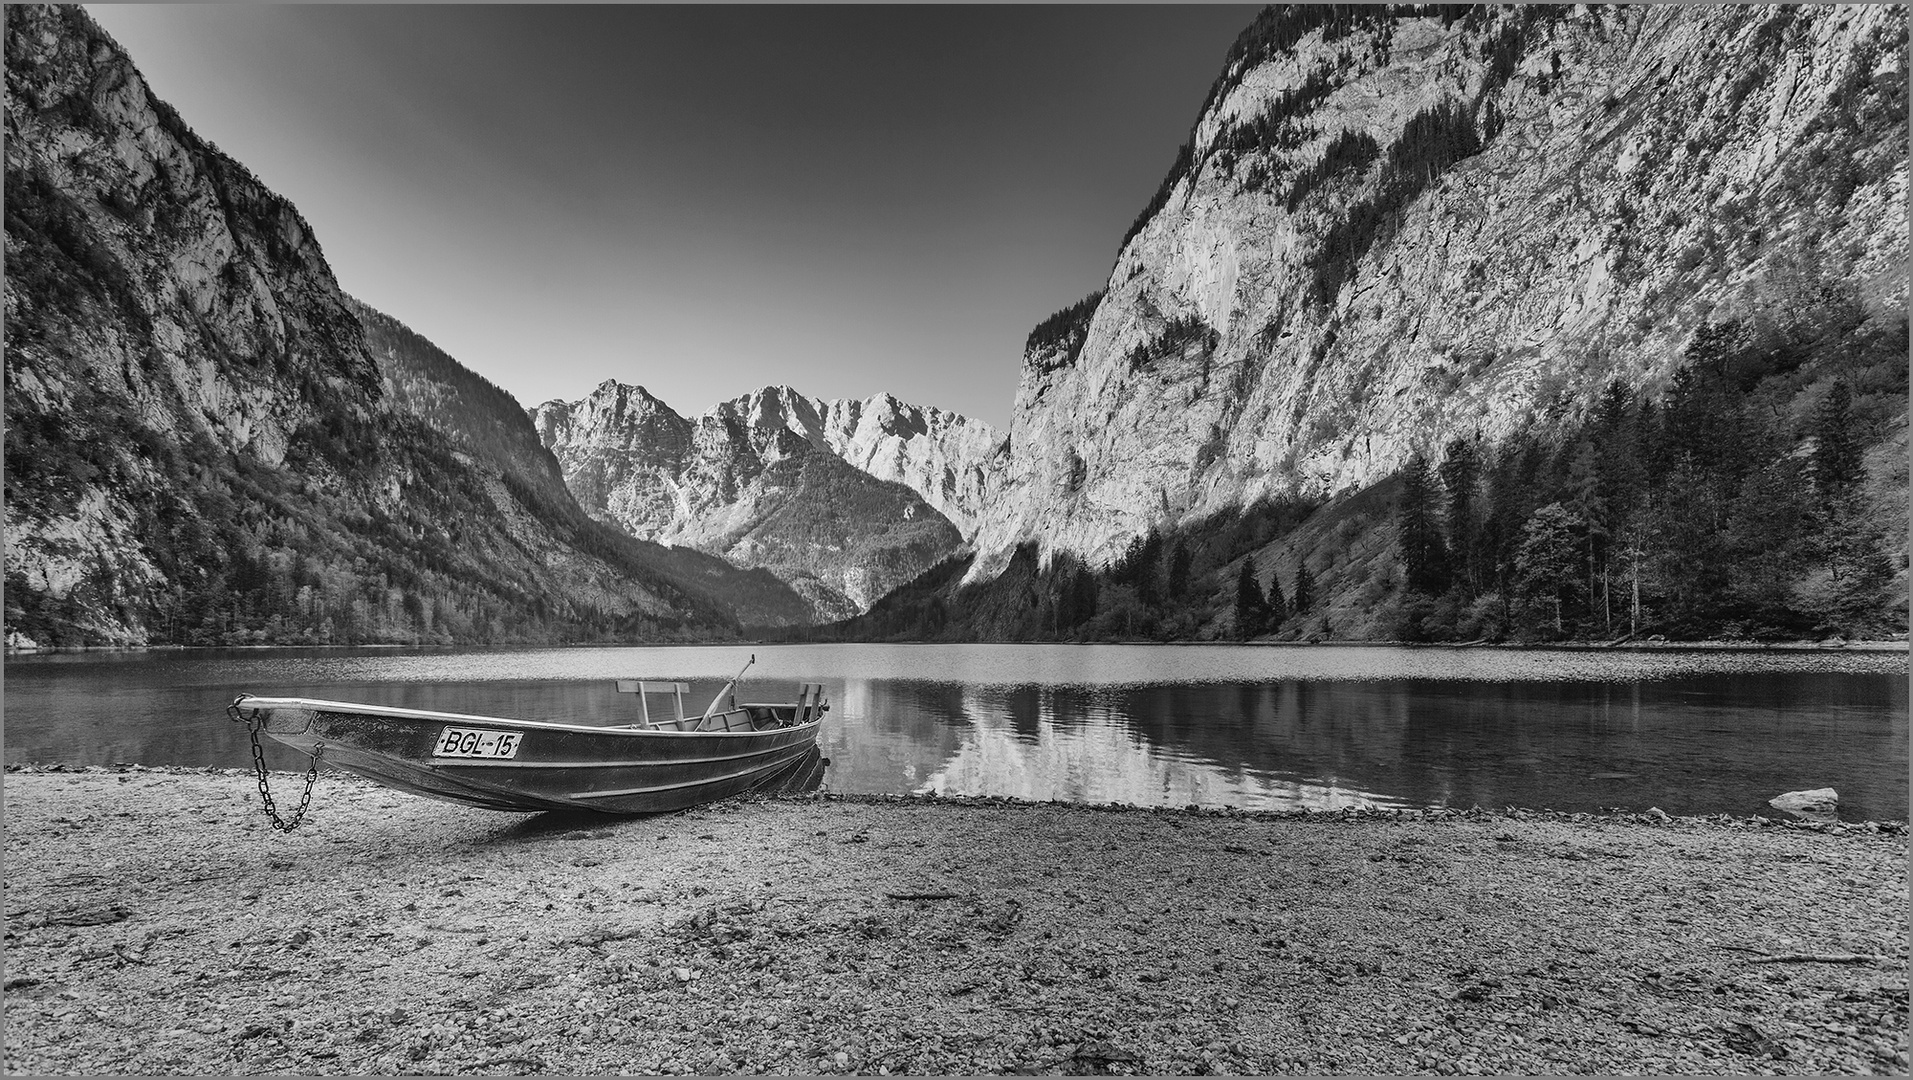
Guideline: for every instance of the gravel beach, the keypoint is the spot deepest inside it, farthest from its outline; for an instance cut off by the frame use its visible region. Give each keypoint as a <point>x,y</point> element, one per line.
<point>156,924</point>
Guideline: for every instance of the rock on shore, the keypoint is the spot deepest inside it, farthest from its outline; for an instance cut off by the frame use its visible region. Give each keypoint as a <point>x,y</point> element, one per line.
<point>157,925</point>
<point>1819,802</point>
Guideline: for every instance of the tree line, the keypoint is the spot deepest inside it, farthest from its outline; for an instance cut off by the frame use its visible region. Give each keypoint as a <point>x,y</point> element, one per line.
<point>1258,612</point>
<point>1168,584</point>
<point>1736,505</point>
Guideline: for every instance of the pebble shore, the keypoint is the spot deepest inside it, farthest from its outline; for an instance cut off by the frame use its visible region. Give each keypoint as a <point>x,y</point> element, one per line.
<point>156,924</point>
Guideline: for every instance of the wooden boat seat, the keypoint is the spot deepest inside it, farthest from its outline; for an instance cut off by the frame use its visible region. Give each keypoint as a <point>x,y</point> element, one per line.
<point>810,702</point>
<point>810,706</point>
<point>728,720</point>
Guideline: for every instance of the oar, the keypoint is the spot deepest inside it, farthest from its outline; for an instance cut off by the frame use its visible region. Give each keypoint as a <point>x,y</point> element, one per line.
<point>711,709</point>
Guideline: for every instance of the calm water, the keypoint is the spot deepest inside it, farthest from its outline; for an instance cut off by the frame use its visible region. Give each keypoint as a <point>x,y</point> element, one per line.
<point>1270,727</point>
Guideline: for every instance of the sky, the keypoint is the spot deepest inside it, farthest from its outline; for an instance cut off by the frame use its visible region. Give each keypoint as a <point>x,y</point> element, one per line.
<point>704,200</point>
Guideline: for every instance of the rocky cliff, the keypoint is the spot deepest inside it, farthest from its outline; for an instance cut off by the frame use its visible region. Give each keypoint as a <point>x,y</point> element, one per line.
<point>200,445</point>
<point>843,499</point>
<point>1394,226</point>
<point>951,461</point>
<point>492,428</point>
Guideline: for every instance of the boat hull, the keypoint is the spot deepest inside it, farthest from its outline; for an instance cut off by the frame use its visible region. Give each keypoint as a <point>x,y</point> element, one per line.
<point>552,767</point>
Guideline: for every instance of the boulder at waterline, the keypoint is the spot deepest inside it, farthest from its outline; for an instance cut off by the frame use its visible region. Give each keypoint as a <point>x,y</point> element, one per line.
<point>1817,802</point>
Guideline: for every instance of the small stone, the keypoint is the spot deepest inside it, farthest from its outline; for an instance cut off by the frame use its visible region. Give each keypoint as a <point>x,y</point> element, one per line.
<point>842,1059</point>
<point>682,974</point>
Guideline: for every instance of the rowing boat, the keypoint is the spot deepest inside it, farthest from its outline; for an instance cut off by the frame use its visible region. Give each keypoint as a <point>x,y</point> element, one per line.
<point>658,764</point>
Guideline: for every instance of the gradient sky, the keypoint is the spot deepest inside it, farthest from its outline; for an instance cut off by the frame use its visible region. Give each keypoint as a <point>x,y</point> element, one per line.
<point>704,200</point>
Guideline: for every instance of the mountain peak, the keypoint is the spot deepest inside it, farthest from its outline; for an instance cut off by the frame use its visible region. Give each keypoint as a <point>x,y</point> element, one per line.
<point>614,389</point>
<point>625,462</point>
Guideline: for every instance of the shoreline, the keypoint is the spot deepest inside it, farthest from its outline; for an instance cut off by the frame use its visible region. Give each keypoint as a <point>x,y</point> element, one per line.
<point>158,925</point>
<point>1650,816</point>
<point>1864,645</point>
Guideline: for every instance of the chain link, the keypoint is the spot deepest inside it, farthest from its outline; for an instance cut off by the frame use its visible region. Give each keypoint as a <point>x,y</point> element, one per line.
<point>265,792</point>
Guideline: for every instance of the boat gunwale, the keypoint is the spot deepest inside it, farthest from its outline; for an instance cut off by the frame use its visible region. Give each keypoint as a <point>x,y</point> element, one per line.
<point>399,712</point>
<point>509,763</point>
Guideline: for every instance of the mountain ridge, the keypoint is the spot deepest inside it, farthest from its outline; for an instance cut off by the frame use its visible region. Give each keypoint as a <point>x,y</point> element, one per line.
<point>1395,225</point>
<point>1435,305</point>
<point>1462,322</point>
<point>489,424</point>
<point>755,478</point>
<point>201,447</point>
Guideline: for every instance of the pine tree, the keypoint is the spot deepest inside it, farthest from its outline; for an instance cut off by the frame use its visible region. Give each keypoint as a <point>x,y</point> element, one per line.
<point>1304,597</point>
<point>1461,476</point>
<point>1704,423</point>
<point>1278,606</point>
<point>1548,566</point>
<point>1852,547</point>
<point>1586,502</point>
<point>1179,560</point>
<point>1617,452</point>
<point>1251,606</point>
<point>1767,543</point>
<point>1650,438</point>
<point>1122,569</point>
<point>1621,489</point>
<point>1837,466</point>
<point>1507,499</point>
<point>1423,557</point>
<point>1146,568</point>
<point>1076,598</point>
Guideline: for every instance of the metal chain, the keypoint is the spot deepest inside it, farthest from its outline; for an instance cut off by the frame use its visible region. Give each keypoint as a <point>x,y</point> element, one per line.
<point>265,792</point>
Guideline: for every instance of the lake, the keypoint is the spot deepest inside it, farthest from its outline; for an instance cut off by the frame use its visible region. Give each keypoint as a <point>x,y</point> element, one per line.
<point>1272,727</point>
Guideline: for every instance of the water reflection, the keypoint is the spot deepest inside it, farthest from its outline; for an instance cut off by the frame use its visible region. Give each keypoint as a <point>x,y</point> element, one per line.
<point>1151,725</point>
<point>1063,743</point>
<point>1708,743</point>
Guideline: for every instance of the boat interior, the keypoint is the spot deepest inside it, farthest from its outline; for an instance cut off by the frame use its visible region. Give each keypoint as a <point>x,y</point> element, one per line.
<point>810,705</point>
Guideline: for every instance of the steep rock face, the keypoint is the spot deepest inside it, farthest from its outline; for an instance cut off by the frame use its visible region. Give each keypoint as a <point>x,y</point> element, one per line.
<point>820,492</point>
<point>615,443</point>
<point>951,461</point>
<point>1392,228</point>
<point>488,425</point>
<point>200,446</point>
<point>620,451</point>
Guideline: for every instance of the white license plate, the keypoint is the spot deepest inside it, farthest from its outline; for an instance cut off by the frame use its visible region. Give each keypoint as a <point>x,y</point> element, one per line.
<point>472,742</point>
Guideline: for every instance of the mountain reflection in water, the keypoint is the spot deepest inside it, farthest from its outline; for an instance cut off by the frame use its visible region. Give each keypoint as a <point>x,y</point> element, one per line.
<point>1713,742</point>
<point>1690,732</point>
<point>1082,745</point>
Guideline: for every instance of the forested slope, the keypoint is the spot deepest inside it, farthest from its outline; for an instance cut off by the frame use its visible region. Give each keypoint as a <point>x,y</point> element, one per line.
<point>1490,317</point>
<point>200,447</point>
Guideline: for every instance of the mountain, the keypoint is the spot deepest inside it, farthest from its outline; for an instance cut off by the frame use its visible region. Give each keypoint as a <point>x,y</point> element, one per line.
<point>952,461</point>
<point>842,499</point>
<point>1605,279</point>
<point>1392,226</point>
<point>201,446</point>
<point>491,427</point>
